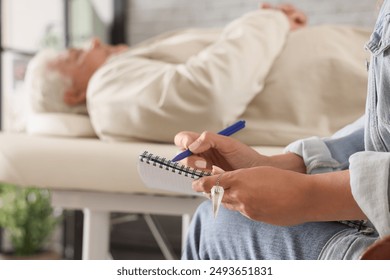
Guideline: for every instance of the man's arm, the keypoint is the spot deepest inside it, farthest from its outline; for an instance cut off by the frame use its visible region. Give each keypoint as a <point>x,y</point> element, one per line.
<point>213,87</point>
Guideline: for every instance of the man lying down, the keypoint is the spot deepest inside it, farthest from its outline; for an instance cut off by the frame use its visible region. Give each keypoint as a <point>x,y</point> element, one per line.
<point>287,80</point>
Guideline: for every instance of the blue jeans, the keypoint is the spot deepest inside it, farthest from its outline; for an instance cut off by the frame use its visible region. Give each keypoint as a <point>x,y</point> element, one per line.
<point>232,236</point>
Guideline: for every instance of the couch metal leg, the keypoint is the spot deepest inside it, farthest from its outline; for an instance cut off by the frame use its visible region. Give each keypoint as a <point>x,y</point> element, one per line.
<point>185,224</point>
<point>96,236</point>
<point>160,238</point>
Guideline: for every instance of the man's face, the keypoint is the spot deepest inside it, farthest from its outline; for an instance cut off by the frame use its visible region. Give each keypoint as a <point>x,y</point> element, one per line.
<point>80,64</point>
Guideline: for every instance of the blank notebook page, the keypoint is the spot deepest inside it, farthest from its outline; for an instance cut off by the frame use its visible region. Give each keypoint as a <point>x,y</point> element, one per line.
<point>159,173</point>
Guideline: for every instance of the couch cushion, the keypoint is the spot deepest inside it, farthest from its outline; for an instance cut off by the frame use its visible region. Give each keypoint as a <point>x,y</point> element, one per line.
<point>79,164</point>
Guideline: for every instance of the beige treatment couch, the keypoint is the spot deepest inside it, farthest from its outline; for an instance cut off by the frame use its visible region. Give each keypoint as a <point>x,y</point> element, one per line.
<point>95,177</point>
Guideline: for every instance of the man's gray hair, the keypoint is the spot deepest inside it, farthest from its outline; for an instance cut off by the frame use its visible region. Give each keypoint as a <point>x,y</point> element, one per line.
<point>46,87</point>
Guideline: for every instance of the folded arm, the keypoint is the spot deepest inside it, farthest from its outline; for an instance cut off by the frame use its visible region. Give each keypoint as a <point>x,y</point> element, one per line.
<point>214,86</point>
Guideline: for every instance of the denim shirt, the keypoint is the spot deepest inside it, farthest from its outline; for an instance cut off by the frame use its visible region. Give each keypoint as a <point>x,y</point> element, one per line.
<point>362,147</point>
<point>377,130</point>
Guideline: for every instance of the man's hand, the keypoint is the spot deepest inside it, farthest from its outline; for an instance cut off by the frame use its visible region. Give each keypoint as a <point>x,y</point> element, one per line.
<point>297,18</point>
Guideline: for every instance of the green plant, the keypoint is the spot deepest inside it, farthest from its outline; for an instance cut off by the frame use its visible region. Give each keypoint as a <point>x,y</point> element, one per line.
<point>26,214</point>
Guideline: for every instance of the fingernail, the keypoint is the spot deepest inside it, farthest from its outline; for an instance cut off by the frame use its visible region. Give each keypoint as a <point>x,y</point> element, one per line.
<point>216,170</point>
<point>194,146</point>
<point>200,164</point>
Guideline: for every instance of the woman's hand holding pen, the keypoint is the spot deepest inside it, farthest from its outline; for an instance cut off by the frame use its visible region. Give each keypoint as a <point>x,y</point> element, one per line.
<point>272,189</point>
<point>229,154</point>
<point>252,186</point>
<point>213,149</point>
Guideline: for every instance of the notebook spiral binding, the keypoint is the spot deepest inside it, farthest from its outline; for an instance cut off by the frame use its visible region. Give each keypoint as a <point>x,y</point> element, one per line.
<point>169,165</point>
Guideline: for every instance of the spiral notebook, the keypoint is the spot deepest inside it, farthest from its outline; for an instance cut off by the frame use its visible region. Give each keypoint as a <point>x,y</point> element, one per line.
<point>160,173</point>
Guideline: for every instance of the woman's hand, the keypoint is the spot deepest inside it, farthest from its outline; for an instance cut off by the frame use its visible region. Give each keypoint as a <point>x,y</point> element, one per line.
<point>214,149</point>
<point>266,194</point>
<point>284,197</point>
<point>229,154</point>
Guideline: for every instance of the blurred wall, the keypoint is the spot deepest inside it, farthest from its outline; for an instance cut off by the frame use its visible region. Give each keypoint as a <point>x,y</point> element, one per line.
<point>150,17</point>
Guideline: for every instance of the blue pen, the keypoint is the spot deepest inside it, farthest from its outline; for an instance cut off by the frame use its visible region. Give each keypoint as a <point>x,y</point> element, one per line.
<point>227,132</point>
